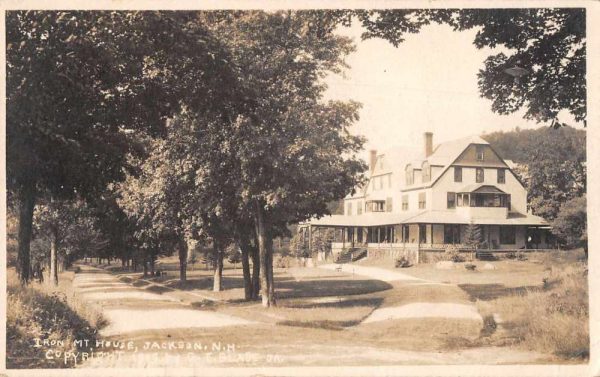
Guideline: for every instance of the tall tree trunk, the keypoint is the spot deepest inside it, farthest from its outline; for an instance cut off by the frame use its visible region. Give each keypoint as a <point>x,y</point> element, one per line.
<point>269,246</point>
<point>183,260</point>
<point>146,262</point>
<point>255,271</point>
<point>54,257</point>
<point>218,268</point>
<point>26,205</point>
<point>261,234</point>
<point>245,247</point>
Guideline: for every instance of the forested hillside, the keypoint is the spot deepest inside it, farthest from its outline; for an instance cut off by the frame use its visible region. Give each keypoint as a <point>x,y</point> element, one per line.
<point>552,164</point>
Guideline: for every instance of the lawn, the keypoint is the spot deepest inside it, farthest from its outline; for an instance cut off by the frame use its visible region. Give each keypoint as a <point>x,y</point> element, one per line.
<point>319,313</point>
<point>542,302</point>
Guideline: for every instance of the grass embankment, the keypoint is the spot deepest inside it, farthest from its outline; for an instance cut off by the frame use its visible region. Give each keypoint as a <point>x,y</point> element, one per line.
<point>43,323</point>
<point>552,319</point>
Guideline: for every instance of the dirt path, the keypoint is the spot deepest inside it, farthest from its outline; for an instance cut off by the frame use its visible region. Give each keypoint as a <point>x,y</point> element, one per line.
<point>454,310</point>
<point>131,309</point>
<point>165,332</point>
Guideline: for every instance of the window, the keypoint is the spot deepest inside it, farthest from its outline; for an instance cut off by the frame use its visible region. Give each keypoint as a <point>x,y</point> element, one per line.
<point>405,202</point>
<point>359,208</point>
<point>479,175</point>
<point>426,172</point>
<point>457,174</point>
<point>501,176</point>
<point>452,233</point>
<point>388,205</point>
<point>376,206</point>
<point>451,200</point>
<point>462,200</point>
<point>349,211</point>
<point>422,200</point>
<point>507,235</point>
<point>409,175</point>
<point>479,151</point>
<point>405,233</point>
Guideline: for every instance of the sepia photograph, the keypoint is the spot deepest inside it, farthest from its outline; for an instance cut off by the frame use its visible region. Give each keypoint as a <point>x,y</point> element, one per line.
<point>277,191</point>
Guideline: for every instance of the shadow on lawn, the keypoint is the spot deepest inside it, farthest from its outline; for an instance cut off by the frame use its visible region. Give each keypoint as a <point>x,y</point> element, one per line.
<point>374,302</point>
<point>321,288</point>
<point>488,292</point>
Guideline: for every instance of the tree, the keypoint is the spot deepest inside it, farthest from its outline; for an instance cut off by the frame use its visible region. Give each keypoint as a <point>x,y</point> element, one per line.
<point>473,236</point>
<point>298,244</point>
<point>78,82</point>
<point>570,226</point>
<point>554,164</point>
<point>293,153</point>
<point>546,47</point>
<point>155,199</point>
<point>68,230</point>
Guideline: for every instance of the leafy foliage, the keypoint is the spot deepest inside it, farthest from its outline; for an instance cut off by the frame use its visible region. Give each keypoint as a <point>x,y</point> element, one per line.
<point>554,164</point>
<point>549,43</point>
<point>570,225</point>
<point>473,236</point>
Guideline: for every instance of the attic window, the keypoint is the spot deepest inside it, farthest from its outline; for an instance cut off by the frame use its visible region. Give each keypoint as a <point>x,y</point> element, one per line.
<point>426,172</point>
<point>479,151</point>
<point>409,175</point>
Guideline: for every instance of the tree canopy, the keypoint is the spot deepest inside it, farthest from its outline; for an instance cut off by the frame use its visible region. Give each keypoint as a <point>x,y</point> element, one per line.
<point>554,160</point>
<point>548,45</point>
<point>79,82</point>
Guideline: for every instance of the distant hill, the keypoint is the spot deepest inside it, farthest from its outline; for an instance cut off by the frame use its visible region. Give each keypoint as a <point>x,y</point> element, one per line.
<point>523,146</point>
<point>554,168</point>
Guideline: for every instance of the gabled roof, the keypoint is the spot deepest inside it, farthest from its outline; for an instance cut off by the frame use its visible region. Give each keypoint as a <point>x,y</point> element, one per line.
<point>448,151</point>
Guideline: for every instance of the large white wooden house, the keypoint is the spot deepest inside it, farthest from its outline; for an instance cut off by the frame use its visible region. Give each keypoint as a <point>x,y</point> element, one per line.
<point>426,197</point>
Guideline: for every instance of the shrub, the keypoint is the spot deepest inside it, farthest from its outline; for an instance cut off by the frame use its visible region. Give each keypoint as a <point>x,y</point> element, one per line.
<point>510,255</point>
<point>402,262</point>
<point>521,256</point>
<point>32,314</point>
<point>470,266</point>
<point>453,254</point>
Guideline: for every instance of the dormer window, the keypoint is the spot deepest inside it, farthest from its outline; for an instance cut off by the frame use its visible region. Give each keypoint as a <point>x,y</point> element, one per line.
<point>426,172</point>
<point>479,151</point>
<point>409,175</point>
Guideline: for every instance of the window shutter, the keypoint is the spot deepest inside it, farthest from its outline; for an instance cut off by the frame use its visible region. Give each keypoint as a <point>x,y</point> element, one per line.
<point>388,205</point>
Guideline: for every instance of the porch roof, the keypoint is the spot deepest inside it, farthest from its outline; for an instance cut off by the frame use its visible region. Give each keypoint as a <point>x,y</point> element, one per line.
<point>480,188</point>
<point>366,219</point>
<point>450,217</point>
<point>424,217</point>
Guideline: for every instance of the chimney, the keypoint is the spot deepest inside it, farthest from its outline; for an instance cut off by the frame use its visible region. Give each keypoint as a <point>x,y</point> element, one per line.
<point>428,137</point>
<point>372,160</point>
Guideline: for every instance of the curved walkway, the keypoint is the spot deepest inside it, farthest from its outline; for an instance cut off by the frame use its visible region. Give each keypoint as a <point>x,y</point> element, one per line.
<point>413,310</point>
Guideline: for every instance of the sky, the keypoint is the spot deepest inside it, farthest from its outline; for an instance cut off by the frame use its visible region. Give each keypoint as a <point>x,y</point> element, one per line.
<point>428,83</point>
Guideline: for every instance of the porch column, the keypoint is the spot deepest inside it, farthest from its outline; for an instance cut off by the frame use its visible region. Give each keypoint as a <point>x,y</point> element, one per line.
<point>310,240</point>
<point>431,234</point>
